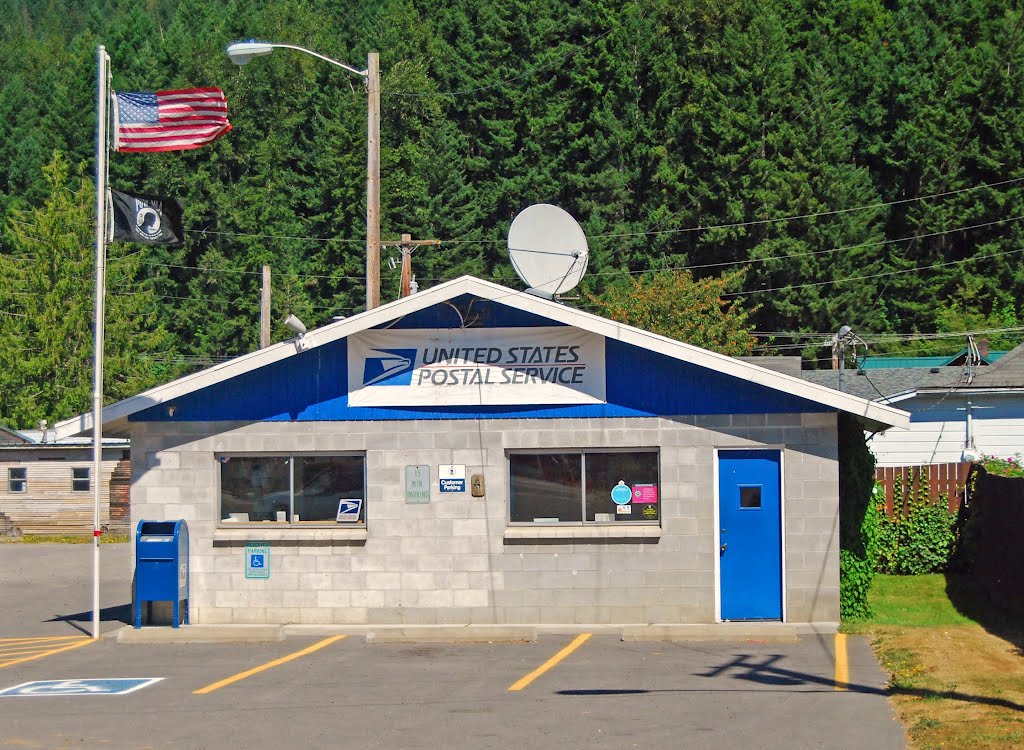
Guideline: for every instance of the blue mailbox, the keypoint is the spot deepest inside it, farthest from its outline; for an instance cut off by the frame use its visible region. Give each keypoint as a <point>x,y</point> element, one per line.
<point>161,566</point>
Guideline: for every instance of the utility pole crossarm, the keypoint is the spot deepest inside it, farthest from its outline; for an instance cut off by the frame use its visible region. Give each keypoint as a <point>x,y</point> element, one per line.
<point>407,245</point>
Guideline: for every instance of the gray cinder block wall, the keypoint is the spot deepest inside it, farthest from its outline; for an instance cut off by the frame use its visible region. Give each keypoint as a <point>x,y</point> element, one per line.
<point>455,560</point>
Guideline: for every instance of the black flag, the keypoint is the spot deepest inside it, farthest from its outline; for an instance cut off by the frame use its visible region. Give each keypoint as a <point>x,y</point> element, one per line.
<point>148,219</point>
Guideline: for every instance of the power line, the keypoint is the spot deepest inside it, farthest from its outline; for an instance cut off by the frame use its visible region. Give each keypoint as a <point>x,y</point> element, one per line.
<point>792,120</point>
<point>623,235</point>
<point>873,275</point>
<point>817,215</point>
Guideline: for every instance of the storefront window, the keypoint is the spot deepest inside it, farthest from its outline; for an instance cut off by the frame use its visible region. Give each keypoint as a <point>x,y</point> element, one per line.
<point>293,489</point>
<point>584,487</point>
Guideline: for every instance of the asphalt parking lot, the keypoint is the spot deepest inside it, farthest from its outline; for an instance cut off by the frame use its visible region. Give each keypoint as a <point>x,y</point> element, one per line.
<point>561,691</point>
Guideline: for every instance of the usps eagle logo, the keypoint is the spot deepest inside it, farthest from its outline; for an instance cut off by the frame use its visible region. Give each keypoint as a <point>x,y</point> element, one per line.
<point>392,367</point>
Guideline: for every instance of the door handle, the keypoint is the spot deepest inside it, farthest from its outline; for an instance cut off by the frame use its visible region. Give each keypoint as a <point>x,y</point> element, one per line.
<point>724,546</point>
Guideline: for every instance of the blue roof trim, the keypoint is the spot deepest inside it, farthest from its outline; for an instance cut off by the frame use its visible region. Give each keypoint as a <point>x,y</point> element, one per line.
<point>313,386</point>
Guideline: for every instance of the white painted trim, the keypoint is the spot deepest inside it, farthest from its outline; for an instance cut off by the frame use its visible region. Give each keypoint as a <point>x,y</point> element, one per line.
<point>116,414</point>
<point>782,528</point>
<point>717,536</point>
<point>288,534</point>
<point>966,391</point>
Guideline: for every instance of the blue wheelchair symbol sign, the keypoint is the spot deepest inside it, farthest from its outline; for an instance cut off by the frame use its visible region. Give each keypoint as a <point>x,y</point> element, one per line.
<point>257,561</point>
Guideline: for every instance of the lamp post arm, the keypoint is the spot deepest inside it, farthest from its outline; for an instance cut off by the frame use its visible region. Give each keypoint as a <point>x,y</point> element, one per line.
<point>349,68</point>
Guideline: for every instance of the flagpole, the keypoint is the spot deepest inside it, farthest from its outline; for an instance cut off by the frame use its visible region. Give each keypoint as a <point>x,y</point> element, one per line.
<point>102,104</point>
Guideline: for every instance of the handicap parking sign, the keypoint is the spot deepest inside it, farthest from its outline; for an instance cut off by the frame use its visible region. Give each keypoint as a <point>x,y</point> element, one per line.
<point>257,561</point>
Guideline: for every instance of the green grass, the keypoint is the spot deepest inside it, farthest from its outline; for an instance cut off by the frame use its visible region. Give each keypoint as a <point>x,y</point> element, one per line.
<point>65,539</point>
<point>913,601</point>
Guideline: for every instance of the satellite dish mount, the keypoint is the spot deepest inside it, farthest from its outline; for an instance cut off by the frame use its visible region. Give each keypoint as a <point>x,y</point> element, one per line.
<point>548,250</point>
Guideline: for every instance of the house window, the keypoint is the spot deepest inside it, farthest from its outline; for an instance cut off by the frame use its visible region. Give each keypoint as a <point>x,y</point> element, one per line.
<point>17,479</point>
<point>80,479</point>
<point>293,490</point>
<point>584,487</point>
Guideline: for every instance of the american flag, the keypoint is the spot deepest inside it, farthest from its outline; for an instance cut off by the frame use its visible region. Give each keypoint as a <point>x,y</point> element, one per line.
<point>169,120</point>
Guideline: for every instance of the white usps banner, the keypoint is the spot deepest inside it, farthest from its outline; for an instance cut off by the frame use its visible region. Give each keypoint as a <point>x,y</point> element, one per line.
<point>476,367</point>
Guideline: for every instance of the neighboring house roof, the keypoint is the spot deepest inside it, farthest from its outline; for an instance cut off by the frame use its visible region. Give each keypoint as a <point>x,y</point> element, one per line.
<point>115,416</point>
<point>896,384</point>
<point>38,439</point>
<point>945,360</point>
<point>876,385</point>
<point>12,437</point>
<point>1008,372</point>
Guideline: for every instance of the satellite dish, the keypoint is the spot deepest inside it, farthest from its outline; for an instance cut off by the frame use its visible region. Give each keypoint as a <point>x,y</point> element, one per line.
<point>548,250</point>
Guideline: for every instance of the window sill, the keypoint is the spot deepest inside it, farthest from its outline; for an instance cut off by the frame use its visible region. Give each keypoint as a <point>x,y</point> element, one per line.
<point>289,535</point>
<point>582,534</point>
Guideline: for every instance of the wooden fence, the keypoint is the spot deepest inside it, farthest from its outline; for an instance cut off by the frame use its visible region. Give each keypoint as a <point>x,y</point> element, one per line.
<point>942,479</point>
<point>996,540</point>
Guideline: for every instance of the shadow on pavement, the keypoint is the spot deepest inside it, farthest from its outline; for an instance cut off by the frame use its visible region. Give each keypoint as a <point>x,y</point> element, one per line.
<point>765,670</point>
<point>120,613</point>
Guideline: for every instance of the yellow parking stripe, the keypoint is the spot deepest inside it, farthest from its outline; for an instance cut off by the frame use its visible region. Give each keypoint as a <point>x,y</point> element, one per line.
<point>40,638</point>
<point>40,653</point>
<point>527,679</point>
<point>842,676</point>
<point>268,665</point>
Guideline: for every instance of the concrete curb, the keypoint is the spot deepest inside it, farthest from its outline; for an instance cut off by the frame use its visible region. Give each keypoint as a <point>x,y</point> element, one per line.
<point>201,634</point>
<point>778,632</point>
<point>423,633</point>
<point>724,631</point>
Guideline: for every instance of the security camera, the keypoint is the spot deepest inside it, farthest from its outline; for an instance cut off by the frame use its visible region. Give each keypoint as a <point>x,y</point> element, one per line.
<point>295,324</point>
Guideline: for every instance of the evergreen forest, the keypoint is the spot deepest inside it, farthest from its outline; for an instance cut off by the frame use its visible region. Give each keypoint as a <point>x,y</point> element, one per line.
<point>808,164</point>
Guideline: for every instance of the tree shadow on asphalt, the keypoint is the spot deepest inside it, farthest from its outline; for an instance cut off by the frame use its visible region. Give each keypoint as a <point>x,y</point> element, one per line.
<point>765,670</point>
<point>120,613</point>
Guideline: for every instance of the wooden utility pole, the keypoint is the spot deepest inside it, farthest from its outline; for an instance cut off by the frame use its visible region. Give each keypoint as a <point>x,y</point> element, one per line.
<point>265,309</point>
<point>372,180</point>
<point>407,245</point>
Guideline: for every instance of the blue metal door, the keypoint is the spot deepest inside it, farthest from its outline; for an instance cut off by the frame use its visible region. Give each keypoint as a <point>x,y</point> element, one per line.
<point>750,538</point>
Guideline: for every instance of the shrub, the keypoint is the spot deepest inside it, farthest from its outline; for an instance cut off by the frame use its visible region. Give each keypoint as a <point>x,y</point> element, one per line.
<point>1003,467</point>
<point>858,522</point>
<point>918,537</point>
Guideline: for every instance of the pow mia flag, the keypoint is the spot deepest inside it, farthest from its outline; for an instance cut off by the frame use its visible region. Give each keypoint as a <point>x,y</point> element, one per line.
<point>148,219</point>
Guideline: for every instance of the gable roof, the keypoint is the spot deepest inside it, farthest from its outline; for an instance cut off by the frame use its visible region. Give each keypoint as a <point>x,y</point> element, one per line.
<point>1008,372</point>
<point>10,436</point>
<point>115,416</point>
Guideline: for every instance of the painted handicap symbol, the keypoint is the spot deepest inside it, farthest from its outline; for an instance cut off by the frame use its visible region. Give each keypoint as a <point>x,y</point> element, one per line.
<point>64,687</point>
<point>102,686</point>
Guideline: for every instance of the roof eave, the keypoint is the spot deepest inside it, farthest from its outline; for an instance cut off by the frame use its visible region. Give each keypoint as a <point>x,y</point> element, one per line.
<point>116,415</point>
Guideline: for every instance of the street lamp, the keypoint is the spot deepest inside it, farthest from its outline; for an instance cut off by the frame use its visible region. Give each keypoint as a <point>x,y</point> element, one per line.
<point>242,52</point>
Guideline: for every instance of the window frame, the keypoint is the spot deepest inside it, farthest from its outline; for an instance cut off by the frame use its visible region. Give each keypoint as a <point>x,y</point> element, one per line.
<point>12,480</point>
<point>223,523</point>
<point>87,479</point>
<point>581,453</point>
